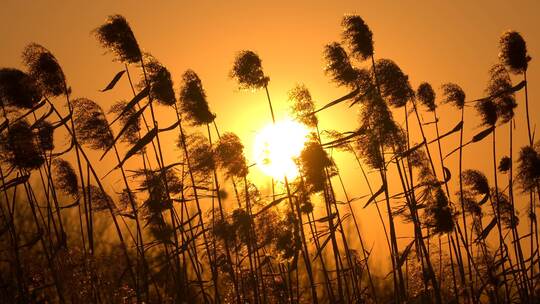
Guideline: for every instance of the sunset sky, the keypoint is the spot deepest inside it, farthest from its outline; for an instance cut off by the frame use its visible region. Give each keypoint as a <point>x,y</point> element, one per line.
<point>434,41</point>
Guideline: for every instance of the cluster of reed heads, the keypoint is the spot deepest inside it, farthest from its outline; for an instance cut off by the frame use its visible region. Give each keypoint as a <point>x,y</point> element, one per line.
<point>169,237</point>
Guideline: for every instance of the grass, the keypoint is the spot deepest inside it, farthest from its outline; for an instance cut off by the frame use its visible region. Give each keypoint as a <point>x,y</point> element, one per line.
<point>176,241</point>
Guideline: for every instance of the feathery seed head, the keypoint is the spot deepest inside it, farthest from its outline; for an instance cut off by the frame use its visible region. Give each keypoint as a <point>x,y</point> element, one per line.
<point>487,109</point>
<point>426,96</point>
<point>313,160</point>
<point>64,177</point>
<point>99,200</point>
<point>247,70</point>
<point>193,99</point>
<point>513,52</point>
<point>45,135</point>
<point>229,153</point>
<point>358,35</point>
<point>302,105</point>
<point>454,94</point>
<point>44,69</point>
<point>201,155</point>
<point>476,180</point>
<point>338,65</point>
<point>20,148</point>
<point>394,84</point>
<point>116,36</point>
<point>159,80</point>
<point>504,164</point>
<point>91,126</point>
<point>528,168</point>
<point>18,89</point>
<point>128,121</point>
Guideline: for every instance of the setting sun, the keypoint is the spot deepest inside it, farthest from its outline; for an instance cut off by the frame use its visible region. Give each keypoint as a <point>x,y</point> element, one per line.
<point>276,146</point>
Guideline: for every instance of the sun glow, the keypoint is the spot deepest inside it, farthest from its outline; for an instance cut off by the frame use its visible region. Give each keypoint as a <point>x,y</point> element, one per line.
<point>277,145</point>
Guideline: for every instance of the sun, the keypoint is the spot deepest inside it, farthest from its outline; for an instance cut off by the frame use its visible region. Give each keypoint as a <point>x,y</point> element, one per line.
<point>277,145</point>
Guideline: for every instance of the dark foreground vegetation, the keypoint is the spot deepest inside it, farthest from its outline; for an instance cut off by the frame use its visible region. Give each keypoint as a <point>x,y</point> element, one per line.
<point>168,237</point>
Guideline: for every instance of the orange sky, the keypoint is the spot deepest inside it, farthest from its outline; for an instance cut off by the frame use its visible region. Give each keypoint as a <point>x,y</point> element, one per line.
<point>431,41</point>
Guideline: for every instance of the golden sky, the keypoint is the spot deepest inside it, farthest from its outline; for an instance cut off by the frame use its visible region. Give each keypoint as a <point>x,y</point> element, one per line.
<point>434,41</point>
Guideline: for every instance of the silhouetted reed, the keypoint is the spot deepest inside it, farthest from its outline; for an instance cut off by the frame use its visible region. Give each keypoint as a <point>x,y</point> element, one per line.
<point>20,147</point>
<point>116,36</point>
<point>439,216</point>
<point>44,69</point>
<point>426,95</point>
<point>487,110</point>
<point>158,78</point>
<point>230,155</point>
<point>500,86</point>
<point>302,106</point>
<point>504,164</point>
<point>513,52</point>
<point>528,170</point>
<point>313,160</point>
<point>477,181</point>
<point>247,70</point>
<point>394,84</point>
<point>182,241</point>
<point>99,200</point>
<point>358,35</point>
<point>506,211</point>
<point>18,89</point>
<point>91,126</point>
<point>193,100</point>
<point>339,66</point>
<point>65,178</point>
<point>201,154</point>
<point>128,120</point>
<point>45,134</point>
<point>453,94</point>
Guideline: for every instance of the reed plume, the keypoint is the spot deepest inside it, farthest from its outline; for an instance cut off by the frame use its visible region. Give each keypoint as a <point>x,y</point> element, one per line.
<point>45,134</point>
<point>426,95</point>
<point>99,200</point>
<point>201,154</point>
<point>20,147</point>
<point>439,215</point>
<point>504,164</point>
<point>358,35</point>
<point>128,120</point>
<point>302,105</point>
<point>312,162</point>
<point>476,181</point>
<point>116,36</point>
<point>18,89</point>
<point>513,52</point>
<point>229,154</point>
<point>338,65</point>
<point>487,109</point>
<point>91,126</point>
<point>247,70</point>
<point>453,94</point>
<point>504,207</point>
<point>528,168</point>
<point>159,80</point>
<point>394,84</point>
<point>44,69</point>
<point>193,100</point>
<point>287,242</point>
<point>65,178</point>
<point>501,92</point>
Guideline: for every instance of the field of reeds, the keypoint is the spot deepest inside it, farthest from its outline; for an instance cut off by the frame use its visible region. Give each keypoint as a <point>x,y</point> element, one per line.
<point>169,237</point>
